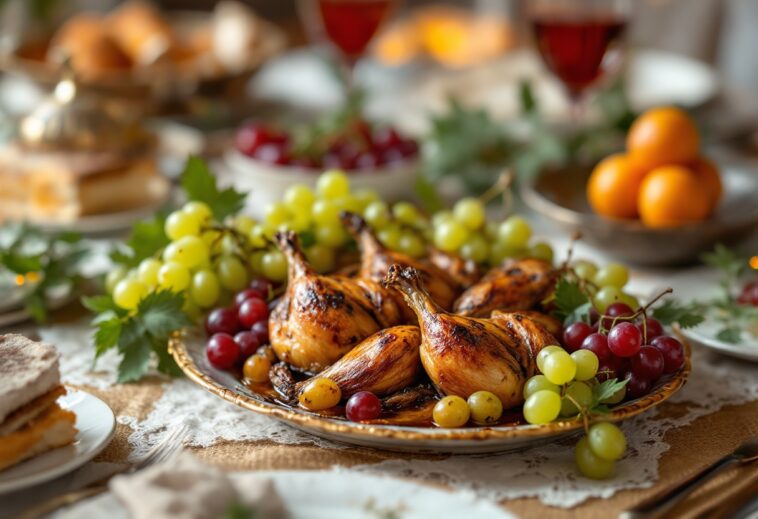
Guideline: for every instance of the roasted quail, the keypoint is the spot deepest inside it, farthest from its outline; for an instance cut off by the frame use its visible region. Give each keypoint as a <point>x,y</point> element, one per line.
<point>463,271</point>
<point>515,285</point>
<point>320,318</point>
<point>376,261</point>
<point>463,355</point>
<point>385,363</point>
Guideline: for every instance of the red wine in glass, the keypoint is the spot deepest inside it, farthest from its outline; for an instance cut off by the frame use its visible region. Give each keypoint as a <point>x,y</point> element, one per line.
<point>575,48</point>
<point>351,24</point>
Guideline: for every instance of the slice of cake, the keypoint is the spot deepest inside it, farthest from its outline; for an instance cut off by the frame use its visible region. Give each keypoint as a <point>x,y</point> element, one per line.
<point>31,421</point>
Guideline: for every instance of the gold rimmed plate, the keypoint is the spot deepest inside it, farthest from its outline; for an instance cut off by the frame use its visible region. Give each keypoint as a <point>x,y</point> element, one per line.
<point>189,352</point>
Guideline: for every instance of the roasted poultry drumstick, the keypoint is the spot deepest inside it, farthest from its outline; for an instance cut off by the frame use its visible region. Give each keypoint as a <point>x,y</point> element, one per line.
<point>463,355</point>
<point>320,318</point>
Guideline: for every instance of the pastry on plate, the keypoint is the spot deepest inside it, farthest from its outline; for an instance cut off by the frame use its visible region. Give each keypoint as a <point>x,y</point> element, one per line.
<point>142,32</point>
<point>31,421</point>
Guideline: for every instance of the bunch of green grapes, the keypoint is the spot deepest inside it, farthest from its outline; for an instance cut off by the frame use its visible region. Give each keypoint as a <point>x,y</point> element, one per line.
<point>205,259</point>
<point>606,282</point>
<point>564,389</point>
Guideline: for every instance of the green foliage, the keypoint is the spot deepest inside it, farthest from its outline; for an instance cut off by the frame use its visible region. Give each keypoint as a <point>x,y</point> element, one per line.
<point>200,184</point>
<point>672,311</point>
<point>571,302</point>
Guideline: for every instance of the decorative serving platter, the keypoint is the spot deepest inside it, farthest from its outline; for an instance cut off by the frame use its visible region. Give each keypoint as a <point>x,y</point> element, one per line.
<point>189,352</point>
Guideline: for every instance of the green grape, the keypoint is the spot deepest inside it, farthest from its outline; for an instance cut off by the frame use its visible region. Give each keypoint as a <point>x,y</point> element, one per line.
<point>299,198</point>
<point>486,408</point>
<point>605,296</point>
<point>585,269</point>
<point>559,367</point>
<point>331,235</point>
<point>475,248</point>
<point>193,311</point>
<point>173,276</point>
<point>501,251</point>
<point>377,214</point>
<point>127,293</point>
<point>449,236</point>
<point>514,232</point>
<point>542,407</point>
<point>276,214</point>
<point>147,272</point>
<point>325,212</point>
<point>542,251</point>
<point>365,197</point>
<point>114,276</point>
<point>589,463</point>
<point>274,266</point>
<point>405,212</point>
<point>451,411</point>
<point>199,211</point>
<point>257,236</point>
<point>539,383</point>
<point>607,441</point>
<point>390,237</point>
<point>190,251</point>
<point>411,244</point>
<point>333,184</point>
<point>231,273</point>
<point>256,261</point>
<point>180,224</point>
<point>613,275</point>
<point>616,397</point>
<point>470,212</point>
<point>348,203</point>
<point>441,217</point>
<point>544,352</point>
<point>491,230</point>
<point>631,301</point>
<point>204,289</point>
<point>299,222</point>
<point>586,364</point>
<point>212,240</point>
<point>243,223</point>
<point>581,392</point>
<point>321,258</point>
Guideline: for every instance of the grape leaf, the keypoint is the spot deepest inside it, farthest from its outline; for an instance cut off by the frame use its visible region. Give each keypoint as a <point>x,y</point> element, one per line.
<point>107,335</point>
<point>145,240</point>
<point>199,184</point>
<point>161,313</point>
<point>730,334</point>
<point>101,304</point>
<point>570,301</point>
<point>606,390</point>
<point>135,362</point>
<point>672,311</point>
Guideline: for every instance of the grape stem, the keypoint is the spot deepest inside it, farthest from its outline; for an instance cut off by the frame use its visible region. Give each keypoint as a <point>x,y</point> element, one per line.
<point>583,411</point>
<point>640,311</point>
<point>501,186</point>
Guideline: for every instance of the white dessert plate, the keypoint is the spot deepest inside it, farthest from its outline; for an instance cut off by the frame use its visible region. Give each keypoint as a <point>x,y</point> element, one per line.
<point>95,422</point>
<point>336,495</point>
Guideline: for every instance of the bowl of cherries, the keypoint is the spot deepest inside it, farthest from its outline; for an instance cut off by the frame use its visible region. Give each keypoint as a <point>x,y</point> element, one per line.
<point>266,159</point>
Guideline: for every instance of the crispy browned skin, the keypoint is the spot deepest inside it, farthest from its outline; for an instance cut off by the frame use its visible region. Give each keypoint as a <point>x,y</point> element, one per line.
<point>385,363</point>
<point>464,272</point>
<point>376,261</point>
<point>552,325</point>
<point>463,355</point>
<point>320,318</point>
<point>515,285</point>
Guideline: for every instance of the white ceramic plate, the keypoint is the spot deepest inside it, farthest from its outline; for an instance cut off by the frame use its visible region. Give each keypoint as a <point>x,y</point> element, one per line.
<point>95,422</point>
<point>337,495</point>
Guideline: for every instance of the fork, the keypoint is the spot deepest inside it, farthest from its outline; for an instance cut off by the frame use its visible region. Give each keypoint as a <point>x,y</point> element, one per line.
<point>659,504</point>
<point>160,452</point>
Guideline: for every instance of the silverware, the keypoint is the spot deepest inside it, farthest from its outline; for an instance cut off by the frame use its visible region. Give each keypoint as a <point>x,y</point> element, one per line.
<point>657,505</point>
<point>160,452</point>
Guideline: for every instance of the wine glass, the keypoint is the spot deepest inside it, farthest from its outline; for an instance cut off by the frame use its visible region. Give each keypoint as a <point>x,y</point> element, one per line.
<point>579,41</point>
<point>349,25</point>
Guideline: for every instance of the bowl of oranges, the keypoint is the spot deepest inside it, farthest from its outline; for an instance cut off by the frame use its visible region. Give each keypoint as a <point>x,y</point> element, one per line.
<point>661,201</point>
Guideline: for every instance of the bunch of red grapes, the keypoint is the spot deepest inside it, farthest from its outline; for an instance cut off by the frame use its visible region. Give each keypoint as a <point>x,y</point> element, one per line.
<point>749,294</point>
<point>359,147</point>
<point>237,332</point>
<point>628,347</point>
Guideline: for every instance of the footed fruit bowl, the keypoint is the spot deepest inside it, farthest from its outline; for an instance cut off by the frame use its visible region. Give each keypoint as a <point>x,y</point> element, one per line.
<point>512,433</point>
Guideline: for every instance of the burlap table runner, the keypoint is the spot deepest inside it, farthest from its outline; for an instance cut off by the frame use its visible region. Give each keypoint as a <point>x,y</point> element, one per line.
<point>692,447</point>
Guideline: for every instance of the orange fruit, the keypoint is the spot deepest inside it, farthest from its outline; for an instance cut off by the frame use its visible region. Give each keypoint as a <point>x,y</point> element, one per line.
<point>670,196</point>
<point>708,174</point>
<point>613,186</point>
<point>663,136</point>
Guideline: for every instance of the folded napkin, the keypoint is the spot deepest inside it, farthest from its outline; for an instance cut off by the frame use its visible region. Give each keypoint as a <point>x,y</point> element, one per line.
<point>185,488</point>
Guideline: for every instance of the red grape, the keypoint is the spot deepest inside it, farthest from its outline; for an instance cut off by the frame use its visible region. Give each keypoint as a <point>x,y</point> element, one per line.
<point>615,310</point>
<point>594,315</point>
<point>409,148</point>
<point>250,137</point>
<point>248,343</point>
<point>263,286</point>
<point>673,353</point>
<point>222,351</point>
<point>749,295</point>
<point>251,311</point>
<point>625,339</point>
<point>597,344</point>
<point>222,320</point>
<point>366,160</point>
<point>612,367</point>
<point>574,335</point>
<point>260,329</point>
<point>248,293</point>
<point>387,138</point>
<point>304,162</point>
<point>648,363</point>
<point>654,329</point>
<point>637,386</point>
<point>272,154</point>
<point>363,406</point>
